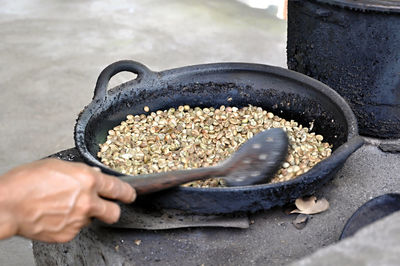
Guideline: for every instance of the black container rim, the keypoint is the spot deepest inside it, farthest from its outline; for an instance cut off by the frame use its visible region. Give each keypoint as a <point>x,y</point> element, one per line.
<point>351,120</point>
<point>231,199</point>
<point>388,6</point>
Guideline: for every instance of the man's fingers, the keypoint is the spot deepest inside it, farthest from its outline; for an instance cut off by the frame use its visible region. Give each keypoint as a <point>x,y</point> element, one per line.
<point>106,211</point>
<point>113,188</point>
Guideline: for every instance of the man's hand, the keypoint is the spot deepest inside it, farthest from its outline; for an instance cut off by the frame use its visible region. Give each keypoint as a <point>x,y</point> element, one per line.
<point>51,200</point>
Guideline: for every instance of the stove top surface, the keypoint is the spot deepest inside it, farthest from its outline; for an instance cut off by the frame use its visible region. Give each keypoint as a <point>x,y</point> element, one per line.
<point>270,239</point>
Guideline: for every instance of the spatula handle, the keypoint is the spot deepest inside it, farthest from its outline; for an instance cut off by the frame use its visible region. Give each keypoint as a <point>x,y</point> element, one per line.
<point>144,184</point>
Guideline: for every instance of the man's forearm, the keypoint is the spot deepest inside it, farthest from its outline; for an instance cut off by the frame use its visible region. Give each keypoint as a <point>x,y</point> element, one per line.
<point>64,198</point>
<point>8,227</point>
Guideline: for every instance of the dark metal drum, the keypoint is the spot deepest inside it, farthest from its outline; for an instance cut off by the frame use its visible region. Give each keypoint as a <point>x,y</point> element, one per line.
<point>353,46</point>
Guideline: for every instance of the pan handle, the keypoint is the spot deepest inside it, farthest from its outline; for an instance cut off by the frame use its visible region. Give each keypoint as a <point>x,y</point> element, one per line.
<point>100,92</point>
<point>144,184</point>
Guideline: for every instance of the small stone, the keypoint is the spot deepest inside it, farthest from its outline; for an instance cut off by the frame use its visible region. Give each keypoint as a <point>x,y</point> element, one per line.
<point>390,146</point>
<point>146,109</point>
<point>300,221</point>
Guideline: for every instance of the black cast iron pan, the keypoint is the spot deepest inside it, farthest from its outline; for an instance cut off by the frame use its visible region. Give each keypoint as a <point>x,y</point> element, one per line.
<point>286,93</point>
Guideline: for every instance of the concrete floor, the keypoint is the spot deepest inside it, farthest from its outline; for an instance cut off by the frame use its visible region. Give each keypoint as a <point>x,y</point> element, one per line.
<point>52,52</point>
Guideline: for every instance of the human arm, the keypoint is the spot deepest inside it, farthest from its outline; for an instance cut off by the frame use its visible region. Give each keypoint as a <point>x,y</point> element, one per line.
<point>51,200</point>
